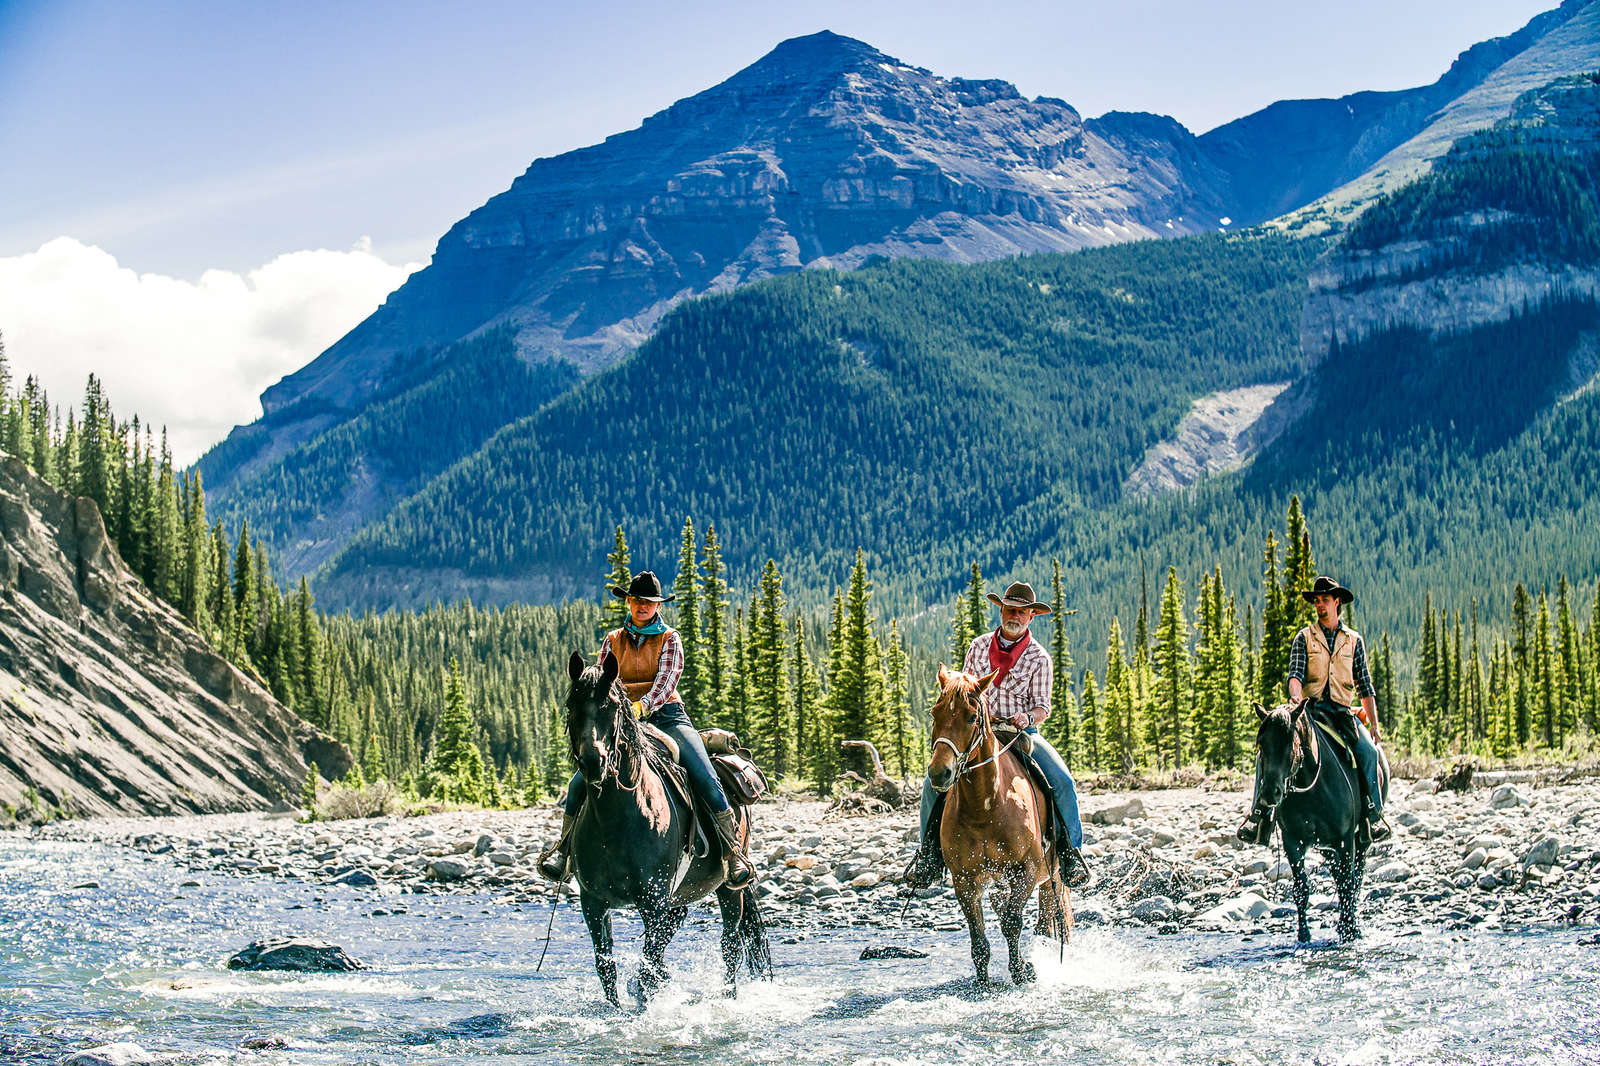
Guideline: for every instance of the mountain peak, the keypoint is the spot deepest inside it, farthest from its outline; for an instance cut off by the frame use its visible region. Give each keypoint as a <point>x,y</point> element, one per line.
<point>823,50</point>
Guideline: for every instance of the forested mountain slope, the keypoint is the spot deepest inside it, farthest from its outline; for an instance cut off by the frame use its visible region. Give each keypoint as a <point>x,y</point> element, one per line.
<point>914,408</point>
<point>825,152</point>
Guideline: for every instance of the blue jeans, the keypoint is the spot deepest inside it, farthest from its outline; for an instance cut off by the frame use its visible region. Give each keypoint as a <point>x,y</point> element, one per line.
<point>1063,791</point>
<point>673,720</point>
<point>1366,752</point>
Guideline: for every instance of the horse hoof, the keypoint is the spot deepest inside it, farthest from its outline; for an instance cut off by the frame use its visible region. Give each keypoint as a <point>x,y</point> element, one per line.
<point>1024,974</point>
<point>1304,936</point>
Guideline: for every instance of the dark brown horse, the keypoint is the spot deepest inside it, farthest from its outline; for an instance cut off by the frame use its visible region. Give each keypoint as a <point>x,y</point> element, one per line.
<point>630,845</point>
<point>993,827</point>
<point>1315,799</point>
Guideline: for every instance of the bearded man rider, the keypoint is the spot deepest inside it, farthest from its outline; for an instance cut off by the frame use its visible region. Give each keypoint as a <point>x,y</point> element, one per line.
<point>1020,696</point>
<point>649,656</point>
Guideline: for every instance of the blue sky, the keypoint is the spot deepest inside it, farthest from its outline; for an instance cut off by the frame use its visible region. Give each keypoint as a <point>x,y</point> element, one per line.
<point>181,138</point>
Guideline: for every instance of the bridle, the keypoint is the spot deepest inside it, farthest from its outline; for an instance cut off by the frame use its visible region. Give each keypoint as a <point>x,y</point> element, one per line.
<point>1296,762</point>
<point>611,765</point>
<point>963,763</point>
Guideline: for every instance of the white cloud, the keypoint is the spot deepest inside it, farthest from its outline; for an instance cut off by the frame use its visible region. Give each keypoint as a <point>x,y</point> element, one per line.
<point>193,356</point>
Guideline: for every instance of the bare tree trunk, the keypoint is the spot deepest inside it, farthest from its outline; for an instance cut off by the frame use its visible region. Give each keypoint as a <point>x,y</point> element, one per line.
<point>882,786</point>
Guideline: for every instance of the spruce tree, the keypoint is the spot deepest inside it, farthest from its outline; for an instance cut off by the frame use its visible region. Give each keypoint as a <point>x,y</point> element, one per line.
<point>1091,725</point>
<point>896,687</point>
<point>769,666</point>
<point>807,705</point>
<point>976,606</point>
<point>1275,636</point>
<point>455,767</point>
<point>857,691</point>
<point>1058,728</point>
<point>714,612</point>
<point>614,609</point>
<point>686,590</point>
<point>1172,667</point>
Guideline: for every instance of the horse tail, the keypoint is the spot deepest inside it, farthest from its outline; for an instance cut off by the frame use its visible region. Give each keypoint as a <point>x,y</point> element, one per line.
<point>752,933</point>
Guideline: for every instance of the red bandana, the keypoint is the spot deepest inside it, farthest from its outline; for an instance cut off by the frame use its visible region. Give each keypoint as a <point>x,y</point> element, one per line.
<point>1003,659</point>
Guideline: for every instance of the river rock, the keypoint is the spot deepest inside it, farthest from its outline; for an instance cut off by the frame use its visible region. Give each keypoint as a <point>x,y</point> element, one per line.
<point>866,880</point>
<point>120,1054</point>
<point>358,878</point>
<point>446,870</point>
<point>1506,796</point>
<point>484,843</point>
<point>1089,913</point>
<point>1154,909</point>
<point>1475,858</point>
<point>1239,909</point>
<point>1207,850</point>
<point>1391,871</point>
<point>294,953</point>
<point>1117,813</point>
<point>1542,853</point>
<point>801,862</point>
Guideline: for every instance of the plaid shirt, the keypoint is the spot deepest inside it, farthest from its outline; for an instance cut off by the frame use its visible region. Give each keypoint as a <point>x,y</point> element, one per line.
<point>668,670</point>
<point>1026,688</point>
<point>1363,676</point>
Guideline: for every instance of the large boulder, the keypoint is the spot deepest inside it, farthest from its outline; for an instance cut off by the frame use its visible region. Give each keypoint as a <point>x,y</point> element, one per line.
<point>294,953</point>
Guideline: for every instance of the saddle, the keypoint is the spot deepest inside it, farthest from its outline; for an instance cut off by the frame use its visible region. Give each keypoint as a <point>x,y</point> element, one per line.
<point>741,779</point>
<point>1023,749</point>
<point>1332,730</point>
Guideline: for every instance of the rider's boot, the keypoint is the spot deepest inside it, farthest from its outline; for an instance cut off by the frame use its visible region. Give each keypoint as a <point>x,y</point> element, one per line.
<point>1074,870</point>
<point>553,863</point>
<point>927,865</point>
<point>740,874</point>
<point>1256,828</point>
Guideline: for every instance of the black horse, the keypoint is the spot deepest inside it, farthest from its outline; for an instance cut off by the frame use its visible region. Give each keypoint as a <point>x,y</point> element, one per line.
<point>629,845</point>
<point>1315,798</point>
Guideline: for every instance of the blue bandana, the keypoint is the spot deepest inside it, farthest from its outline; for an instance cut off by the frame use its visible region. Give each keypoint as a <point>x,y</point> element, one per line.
<point>638,633</point>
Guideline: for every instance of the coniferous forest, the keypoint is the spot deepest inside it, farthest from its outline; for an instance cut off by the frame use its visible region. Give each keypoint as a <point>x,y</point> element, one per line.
<point>462,704</point>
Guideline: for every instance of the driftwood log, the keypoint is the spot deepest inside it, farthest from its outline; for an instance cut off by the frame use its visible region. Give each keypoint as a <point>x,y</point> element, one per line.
<point>882,787</point>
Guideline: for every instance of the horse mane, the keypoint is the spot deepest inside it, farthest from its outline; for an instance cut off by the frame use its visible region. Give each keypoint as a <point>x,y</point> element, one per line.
<point>1284,714</point>
<point>628,735</point>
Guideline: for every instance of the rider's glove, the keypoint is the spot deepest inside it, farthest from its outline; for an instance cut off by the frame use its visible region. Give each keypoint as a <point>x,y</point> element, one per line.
<point>638,708</point>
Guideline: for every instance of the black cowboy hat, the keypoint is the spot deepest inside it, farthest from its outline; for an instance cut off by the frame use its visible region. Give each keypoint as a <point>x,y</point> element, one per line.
<point>1327,586</point>
<point>646,586</point>
<point>1020,594</point>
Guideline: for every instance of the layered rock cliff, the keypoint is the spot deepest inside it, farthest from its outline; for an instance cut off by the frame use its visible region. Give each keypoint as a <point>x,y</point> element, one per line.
<point>109,702</point>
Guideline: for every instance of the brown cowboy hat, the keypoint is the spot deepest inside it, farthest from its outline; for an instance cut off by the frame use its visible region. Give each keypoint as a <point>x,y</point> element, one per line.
<point>645,587</point>
<point>1327,586</point>
<point>1020,594</point>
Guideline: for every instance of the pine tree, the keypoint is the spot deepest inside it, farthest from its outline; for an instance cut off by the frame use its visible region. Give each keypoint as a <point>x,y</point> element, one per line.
<point>1275,636</point>
<point>857,691</point>
<point>1091,728</point>
<point>1298,570</point>
<point>896,690</point>
<point>768,635</point>
<point>245,597</point>
<point>739,682</point>
<point>807,704</point>
<point>614,609</point>
<point>1172,666</point>
<point>686,590</point>
<point>307,638</point>
<point>1118,719</point>
<point>308,792</point>
<point>1569,663</point>
<point>94,466</point>
<point>976,606</point>
<point>1544,664</point>
<point>714,612</point>
<point>1058,728</point>
<point>455,767</point>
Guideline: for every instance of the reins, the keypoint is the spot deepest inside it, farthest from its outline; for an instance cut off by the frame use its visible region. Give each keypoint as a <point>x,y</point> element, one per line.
<point>964,767</point>
<point>611,767</point>
<point>1316,757</point>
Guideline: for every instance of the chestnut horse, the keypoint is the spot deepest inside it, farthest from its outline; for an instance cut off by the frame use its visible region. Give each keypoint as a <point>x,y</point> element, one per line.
<point>992,829</point>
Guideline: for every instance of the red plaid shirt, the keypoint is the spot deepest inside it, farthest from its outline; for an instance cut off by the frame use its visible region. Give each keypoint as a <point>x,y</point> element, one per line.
<point>1026,688</point>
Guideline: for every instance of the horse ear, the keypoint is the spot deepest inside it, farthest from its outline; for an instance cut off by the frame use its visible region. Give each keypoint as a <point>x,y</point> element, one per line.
<point>608,668</point>
<point>575,666</point>
<point>984,682</point>
<point>1261,710</point>
<point>944,676</point>
<point>1301,707</point>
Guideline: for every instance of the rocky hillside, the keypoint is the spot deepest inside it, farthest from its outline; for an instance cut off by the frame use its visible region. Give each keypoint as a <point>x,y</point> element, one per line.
<point>1508,218</point>
<point>109,703</point>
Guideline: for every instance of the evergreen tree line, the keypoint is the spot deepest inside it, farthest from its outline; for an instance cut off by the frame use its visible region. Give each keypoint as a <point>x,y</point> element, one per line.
<point>156,518</point>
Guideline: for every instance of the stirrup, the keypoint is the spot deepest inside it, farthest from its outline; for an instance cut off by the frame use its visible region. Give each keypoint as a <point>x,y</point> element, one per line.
<point>924,871</point>
<point>1252,829</point>
<point>1378,829</point>
<point>548,867</point>
<point>1074,870</point>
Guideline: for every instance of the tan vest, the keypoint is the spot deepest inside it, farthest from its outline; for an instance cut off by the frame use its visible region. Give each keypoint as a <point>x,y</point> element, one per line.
<point>637,666</point>
<point>1331,669</point>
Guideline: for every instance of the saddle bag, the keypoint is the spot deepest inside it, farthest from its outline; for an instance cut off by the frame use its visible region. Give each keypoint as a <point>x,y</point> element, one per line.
<point>741,778</point>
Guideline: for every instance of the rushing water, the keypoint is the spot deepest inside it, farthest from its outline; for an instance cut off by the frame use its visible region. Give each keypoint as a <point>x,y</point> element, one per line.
<point>140,959</point>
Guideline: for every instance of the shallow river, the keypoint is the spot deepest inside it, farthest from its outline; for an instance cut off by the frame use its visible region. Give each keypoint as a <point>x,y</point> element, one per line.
<point>140,959</point>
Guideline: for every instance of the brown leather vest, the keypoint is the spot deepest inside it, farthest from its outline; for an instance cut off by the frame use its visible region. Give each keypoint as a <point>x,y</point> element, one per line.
<point>637,666</point>
<point>1330,672</point>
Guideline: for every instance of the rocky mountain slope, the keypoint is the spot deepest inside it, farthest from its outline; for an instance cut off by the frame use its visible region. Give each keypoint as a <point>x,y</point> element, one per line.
<point>109,703</point>
<point>825,152</point>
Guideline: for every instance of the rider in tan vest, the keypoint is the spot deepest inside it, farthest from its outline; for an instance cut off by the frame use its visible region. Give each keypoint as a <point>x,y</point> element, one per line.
<point>649,657</point>
<point>1328,663</point>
